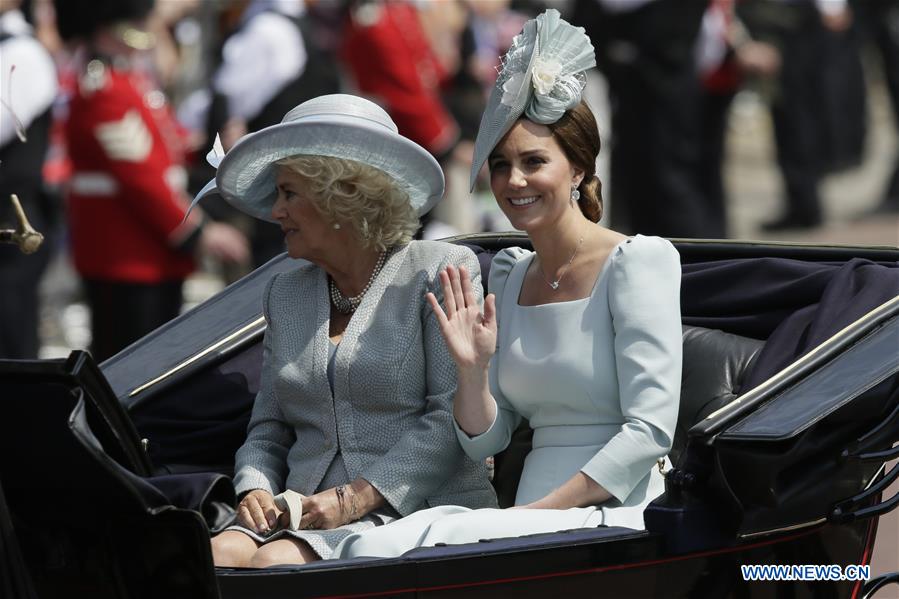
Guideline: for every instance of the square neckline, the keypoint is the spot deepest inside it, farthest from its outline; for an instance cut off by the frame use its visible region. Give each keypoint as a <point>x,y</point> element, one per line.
<point>599,276</point>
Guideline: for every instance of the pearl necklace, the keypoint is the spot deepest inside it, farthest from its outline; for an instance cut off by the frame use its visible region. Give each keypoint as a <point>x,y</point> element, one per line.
<point>348,305</point>
<point>555,284</point>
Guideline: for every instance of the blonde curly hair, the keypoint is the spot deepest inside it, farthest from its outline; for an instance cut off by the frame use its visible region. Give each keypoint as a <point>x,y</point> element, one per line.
<point>368,199</point>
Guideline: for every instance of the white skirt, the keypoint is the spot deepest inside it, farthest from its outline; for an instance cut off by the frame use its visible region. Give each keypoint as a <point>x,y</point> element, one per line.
<point>453,525</point>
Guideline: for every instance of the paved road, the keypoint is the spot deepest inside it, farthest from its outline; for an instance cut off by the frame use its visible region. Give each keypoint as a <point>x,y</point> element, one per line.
<point>886,547</point>
<point>756,188</point>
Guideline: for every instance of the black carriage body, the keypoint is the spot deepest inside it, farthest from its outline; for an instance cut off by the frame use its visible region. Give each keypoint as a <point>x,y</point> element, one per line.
<point>764,469</point>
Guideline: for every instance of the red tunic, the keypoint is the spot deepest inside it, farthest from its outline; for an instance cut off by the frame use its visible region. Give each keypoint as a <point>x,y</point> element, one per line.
<point>125,204</point>
<point>392,61</point>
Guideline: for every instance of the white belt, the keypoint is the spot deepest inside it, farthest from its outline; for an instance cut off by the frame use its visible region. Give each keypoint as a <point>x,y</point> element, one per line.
<point>93,184</point>
<point>88,183</point>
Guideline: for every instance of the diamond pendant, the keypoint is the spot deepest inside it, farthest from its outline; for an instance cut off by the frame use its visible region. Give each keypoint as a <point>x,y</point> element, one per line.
<point>554,285</point>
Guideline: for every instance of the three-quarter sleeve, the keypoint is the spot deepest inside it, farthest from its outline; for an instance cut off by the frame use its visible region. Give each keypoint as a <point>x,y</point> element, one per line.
<point>261,462</point>
<point>644,301</point>
<point>497,437</point>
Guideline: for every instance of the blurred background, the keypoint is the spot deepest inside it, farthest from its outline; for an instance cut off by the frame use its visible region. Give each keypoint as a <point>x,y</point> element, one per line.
<point>743,119</point>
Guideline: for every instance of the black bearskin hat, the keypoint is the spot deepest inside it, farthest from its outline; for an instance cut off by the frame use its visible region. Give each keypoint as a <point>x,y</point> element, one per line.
<point>81,18</point>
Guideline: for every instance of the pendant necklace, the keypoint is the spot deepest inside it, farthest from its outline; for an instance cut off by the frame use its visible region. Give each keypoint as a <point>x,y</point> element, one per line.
<point>554,285</point>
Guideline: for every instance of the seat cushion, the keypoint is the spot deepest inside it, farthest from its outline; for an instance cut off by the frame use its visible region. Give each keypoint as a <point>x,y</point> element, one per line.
<point>715,365</point>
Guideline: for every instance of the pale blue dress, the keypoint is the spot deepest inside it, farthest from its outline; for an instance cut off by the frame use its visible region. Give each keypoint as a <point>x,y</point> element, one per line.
<point>598,379</point>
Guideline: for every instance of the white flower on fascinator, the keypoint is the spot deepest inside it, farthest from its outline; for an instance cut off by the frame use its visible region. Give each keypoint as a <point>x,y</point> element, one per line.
<point>544,75</point>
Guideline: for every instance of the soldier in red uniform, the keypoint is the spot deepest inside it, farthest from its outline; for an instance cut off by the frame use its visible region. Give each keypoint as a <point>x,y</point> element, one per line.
<point>391,60</point>
<point>126,198</point>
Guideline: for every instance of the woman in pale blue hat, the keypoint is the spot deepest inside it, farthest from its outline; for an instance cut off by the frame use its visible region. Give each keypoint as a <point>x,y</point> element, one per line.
<point>352,426</point>
<point>588,346</point>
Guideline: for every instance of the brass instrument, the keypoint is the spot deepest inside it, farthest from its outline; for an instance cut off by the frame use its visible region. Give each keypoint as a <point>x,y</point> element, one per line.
<point>23,235</point>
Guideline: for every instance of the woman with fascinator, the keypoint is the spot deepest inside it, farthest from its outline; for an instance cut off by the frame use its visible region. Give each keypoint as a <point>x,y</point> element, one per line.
<point>581,336</point>
<point>352,425</point>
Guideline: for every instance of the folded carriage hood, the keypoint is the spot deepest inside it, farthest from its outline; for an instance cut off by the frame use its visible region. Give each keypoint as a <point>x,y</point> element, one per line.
<point>195,337</point>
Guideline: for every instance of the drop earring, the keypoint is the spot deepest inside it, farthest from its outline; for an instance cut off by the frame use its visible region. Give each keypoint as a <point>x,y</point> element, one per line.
<point>575,194</point>
<point>336,226</point>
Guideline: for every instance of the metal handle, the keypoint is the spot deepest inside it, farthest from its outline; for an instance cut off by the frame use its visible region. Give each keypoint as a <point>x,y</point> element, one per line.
<point>887,455</point>
<point>844,511</point>
<point>848,510</point>
<point>875,584</point>
<point>887,426</point>
<point>24,234</point>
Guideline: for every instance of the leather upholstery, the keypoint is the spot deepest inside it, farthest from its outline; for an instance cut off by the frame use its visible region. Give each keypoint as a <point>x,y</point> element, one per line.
<point>715,366</point>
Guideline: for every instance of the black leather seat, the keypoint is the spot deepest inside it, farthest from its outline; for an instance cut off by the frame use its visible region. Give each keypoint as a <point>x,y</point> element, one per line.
<point>715,365</point>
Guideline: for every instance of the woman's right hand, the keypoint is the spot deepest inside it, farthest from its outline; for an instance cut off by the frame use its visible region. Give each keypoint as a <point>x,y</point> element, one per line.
<point>469,334</point>
<point>257,511</point>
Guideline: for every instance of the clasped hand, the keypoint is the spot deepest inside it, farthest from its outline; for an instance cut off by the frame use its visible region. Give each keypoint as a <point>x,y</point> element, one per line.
<point>470,335</point>
<point>326,510</point>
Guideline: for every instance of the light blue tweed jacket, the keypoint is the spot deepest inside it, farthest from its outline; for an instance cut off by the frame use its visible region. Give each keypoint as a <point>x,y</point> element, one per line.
<point>394,380</point>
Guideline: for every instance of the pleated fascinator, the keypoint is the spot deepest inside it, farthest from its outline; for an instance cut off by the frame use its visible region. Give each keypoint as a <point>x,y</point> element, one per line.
<point>335,126</point>
<point>542,75</point>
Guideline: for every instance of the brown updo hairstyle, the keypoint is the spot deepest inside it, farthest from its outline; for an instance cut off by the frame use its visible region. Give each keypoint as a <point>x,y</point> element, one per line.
<point>578,136</point>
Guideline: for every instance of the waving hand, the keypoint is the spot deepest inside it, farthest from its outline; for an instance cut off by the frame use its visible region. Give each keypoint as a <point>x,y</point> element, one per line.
<point>469,334</point>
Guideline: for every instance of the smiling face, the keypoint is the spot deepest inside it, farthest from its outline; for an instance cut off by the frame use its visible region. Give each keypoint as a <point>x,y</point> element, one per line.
<point>306,232</point>
<point>531,177</point>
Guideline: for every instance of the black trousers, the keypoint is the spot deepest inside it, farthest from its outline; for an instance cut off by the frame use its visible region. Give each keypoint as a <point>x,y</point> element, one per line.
<point>122,313</point>
<point>20,276</point>
<point>715,110</point>
<point>803,107</point>
<point>795,121</point>
<point>647,57</point>
<point>879,21</point>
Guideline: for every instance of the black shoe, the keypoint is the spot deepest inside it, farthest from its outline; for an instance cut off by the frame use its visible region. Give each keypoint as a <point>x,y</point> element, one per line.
<point>790,222</point>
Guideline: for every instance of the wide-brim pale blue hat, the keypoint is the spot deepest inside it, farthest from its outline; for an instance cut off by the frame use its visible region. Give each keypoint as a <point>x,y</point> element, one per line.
<point>336,126</point>
<point>542,76</point>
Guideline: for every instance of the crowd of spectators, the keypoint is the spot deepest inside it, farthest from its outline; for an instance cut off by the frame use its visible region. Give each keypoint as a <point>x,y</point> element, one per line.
<point>198,71</point>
